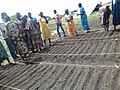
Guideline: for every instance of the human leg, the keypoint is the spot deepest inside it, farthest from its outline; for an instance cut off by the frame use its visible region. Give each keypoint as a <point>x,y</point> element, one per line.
<point>58,30</point>
<point>62,30</point>
<point>49,41</point>
<point>44,42</point>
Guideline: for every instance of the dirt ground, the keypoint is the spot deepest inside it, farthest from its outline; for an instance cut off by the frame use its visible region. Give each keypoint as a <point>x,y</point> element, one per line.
<point>86,62</point>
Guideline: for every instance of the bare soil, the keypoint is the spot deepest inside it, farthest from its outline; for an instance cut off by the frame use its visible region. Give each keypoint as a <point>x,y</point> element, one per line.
<point>86,62</point>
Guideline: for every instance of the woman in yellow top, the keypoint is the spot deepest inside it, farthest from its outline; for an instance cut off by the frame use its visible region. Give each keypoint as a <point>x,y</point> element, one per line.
<point>70,24</point>
<point>46,34</point>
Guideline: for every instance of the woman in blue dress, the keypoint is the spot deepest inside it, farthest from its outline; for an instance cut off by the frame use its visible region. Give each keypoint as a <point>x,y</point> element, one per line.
<point>116,12</point>
<point>84,20</point>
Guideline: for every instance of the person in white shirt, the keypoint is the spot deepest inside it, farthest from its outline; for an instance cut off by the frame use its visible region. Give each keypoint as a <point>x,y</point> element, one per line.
<point>70,24</point>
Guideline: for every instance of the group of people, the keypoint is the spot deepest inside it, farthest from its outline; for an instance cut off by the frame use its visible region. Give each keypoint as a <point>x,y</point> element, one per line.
<point>27,34</point>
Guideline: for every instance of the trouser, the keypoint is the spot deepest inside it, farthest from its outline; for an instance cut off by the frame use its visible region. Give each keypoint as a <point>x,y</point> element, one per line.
<point>60,25</point>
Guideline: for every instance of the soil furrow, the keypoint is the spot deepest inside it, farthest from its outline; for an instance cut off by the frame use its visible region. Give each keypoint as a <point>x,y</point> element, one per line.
<point>66,50</point>
<point>70,51</point>
<point>88,46</point>
<point>10,71</point>
<point>56,50</point>
<point>52,81</point>
<point>15,78</point>
<point>94,35</point>
<point>45,78</point>
<point>11,76</point>
<point>86,79</point>
<point>34,75</point>
<point>52,50</point>
<point>87,36</point>
<point>44,84</point>
<point>28,76</point>
<point>76,49</point>
<point>93,48</point>
<point>34,82</point>
<point>115,80</point>
<point>63,49</point>
<point>81,48</point>
<point>74,79</point>
<point>93,81</point>
<point>80,79</point>
<point>63,79</point>
<point>102,80</point>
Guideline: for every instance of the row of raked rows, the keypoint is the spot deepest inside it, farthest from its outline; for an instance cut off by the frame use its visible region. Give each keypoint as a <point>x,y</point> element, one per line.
<point>95,35</point>
<point>58,77</point>
<point>72,64</point>
<point>78,59</point>
<point>85,48</point>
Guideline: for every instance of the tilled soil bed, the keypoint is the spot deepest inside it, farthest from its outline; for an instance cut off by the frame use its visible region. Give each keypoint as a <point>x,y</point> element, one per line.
<point>86,62</point>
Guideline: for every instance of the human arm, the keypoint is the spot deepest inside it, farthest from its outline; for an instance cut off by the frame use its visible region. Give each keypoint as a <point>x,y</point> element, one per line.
<point>46,19</point>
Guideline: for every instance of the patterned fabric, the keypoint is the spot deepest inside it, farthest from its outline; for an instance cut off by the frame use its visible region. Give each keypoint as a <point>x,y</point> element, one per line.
<point>16,38</point>
<point>34,31</point>
<point>84,20</point>
<point>46,34</point>
<point>3,53</point>
<point>4,34</point>
<point>26,34</point>
<point>71,26</point>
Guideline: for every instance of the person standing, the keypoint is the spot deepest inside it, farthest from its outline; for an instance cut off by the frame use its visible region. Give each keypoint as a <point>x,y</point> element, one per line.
<point>26,33</point>
<point>35,31</point>
<point>70,24</point>
<point>101,13</point>
<point>59,24</point>
<point>106,18</point>
<point>84,20</point>
<point>46,34</point>
<point>6,37</point>
<point>16,37</point>
<point>18,19</point>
